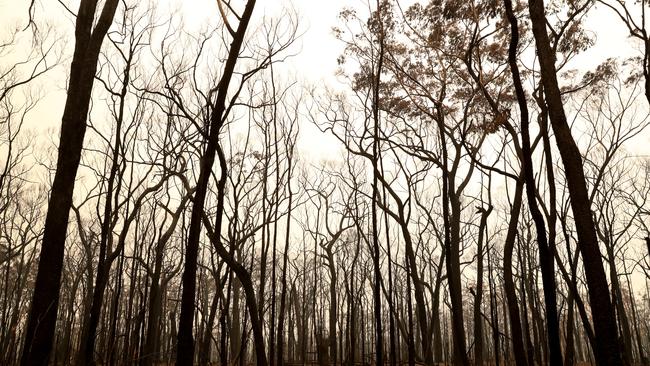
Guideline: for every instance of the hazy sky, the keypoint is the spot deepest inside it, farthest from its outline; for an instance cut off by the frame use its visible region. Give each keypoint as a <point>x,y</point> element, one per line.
<point>317,49</point>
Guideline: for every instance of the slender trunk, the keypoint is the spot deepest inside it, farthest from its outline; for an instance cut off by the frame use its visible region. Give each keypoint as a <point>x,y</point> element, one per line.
<point>185,344</point>
<point>608,350</point>
<point>526,303</point>
<point>272,327</point>
<point>285,259</point>
<point>114,316</point>
<point>235,324</point>
<point>478,320</point>
<point>437,329</point>
<point>242,273</point>
<point>509,285</point>
<point>379,337</point>
<point>455,284</point>
<point>545,252</point>
<point>333,305</point>
<point>154,309</point>
<point>618,301</point>
<point>390,297</point>
<point>206,341</point>
<point>635,321</point>
<point>569,353</point>
<point>571,283</point>
<point>493,311</point>
<point>450,200</point>
<point>149,355</point>
<point>223,328</point>
<point>646,64</point>
<point>409,310</point>
<point>105,240</point>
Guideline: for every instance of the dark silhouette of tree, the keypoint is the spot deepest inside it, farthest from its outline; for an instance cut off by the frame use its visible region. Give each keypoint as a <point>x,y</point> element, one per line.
<point>89,36</point>
<point>608,351</point>
<point>546,258</point>
<point>217,115</point>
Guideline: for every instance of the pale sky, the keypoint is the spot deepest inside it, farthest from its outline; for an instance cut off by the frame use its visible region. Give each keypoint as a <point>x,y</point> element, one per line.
<point>316,60</point>
<point>316,51</point>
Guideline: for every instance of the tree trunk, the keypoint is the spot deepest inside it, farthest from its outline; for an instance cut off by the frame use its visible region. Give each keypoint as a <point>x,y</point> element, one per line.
<point>478,320</point>
<point>283,278</point>
<point>508,281</point>
<point>545,252</point>
<point>608,349</point>
<point>618,301</point>
<point>450,200</point>
<point>185,345</point>
<point>45,302</point>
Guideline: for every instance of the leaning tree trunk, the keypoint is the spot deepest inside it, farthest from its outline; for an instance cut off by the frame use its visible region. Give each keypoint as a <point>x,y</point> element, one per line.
<point>608,350</point>
<point>45,302</point>
<point>242,273</point>
<point>545,251</point>
<point>508,281</point>
<point>185,346</point>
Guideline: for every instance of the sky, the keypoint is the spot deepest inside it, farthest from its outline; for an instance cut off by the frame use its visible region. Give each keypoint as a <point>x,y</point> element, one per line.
<point>313,63</point>
<point>316,51</point>
<point>317,46</point>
